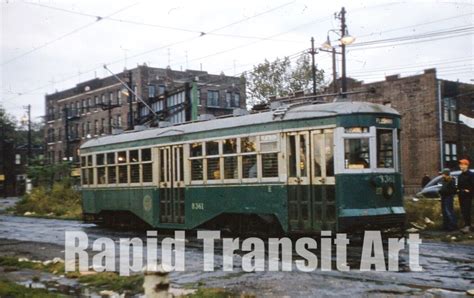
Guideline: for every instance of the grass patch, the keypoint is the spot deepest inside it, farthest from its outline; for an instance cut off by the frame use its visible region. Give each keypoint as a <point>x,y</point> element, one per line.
<point>59,202</point>
<point>12,263</point>
<point>102,281</point>
<point>112,281</point>
<point>11,289</point>
<point>418,211</point>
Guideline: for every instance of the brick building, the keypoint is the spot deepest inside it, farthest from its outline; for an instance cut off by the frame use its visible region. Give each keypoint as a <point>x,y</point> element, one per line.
<point>432,138</point>
<point>101,106</point>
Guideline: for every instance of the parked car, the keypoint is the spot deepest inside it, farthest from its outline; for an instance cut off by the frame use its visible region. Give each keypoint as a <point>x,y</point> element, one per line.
<point>430,191</point>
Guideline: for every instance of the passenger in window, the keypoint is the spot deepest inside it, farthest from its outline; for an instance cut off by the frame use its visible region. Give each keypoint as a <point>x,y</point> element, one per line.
<point>303,161</point>
<point>359,161</point>
<point>253,171</point>
<point>251,165</point>
<point>217,174</point>
<point>102,179</point>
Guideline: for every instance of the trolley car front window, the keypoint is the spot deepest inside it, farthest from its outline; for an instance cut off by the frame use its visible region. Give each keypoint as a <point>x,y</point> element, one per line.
<point>356,153</point>
<point>385,148</point>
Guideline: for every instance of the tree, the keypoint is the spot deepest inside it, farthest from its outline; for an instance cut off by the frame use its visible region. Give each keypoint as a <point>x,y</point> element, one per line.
<point>281,78</point>
<point>7,125</point>
<point>45,175</point>
<point>9,130</point>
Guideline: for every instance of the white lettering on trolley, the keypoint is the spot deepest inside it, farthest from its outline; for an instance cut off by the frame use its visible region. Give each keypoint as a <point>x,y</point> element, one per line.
<point>197,206</point>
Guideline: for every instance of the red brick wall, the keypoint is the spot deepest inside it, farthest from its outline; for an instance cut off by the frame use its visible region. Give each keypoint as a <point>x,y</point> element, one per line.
<point>415,98</point>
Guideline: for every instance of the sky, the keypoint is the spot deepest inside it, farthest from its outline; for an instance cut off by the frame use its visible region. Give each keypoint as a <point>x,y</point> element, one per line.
<point>52,45</point>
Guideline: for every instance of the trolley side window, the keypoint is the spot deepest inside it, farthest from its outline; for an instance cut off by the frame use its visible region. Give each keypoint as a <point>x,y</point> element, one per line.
<point>248,148</point>
<point>197,161</point>
<point>229,151</point>
<point>269,150</point>
<point>147,166</point>
<point>252,158</point>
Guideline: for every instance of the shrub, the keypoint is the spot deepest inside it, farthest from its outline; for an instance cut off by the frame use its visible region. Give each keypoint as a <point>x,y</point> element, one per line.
<point>61,201</point>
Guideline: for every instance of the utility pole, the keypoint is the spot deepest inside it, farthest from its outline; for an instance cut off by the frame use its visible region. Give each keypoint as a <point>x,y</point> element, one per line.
<point>194,100</point>
<point>343,52</point>
<point>334,70</point>
<point>28,111</point>
<point>313,65</point>
<point>130,102</point>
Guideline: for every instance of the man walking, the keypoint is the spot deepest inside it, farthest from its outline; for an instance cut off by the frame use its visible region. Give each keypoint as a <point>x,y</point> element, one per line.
<point>466,191</point>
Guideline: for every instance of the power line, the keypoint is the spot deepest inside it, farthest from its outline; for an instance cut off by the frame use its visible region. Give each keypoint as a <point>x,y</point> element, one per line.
<point>415,37</point>
<point>254,42</point>
<point>148,51</point>
<point>98,19</point>
<point>412,42</point>
<point>427,64</point>
<point>415,25</point>
<point>187,40</point>
<point>166,27</point>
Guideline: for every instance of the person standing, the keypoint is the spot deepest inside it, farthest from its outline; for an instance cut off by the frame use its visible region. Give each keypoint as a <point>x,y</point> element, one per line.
<point>425,180</point>
<point>447,192</point>
<point>465,191</point>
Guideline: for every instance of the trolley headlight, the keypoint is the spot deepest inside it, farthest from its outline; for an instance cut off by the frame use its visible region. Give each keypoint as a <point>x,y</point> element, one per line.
<point>388,190</point>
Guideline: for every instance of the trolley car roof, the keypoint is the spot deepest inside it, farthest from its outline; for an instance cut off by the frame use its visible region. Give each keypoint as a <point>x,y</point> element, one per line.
<point>296,112</point>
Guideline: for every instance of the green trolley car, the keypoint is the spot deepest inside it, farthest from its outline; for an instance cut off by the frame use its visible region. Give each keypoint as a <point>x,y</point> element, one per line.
<point>294,170</point>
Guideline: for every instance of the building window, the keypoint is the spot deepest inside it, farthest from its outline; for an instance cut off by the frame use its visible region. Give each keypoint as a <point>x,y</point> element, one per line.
<point>89,104</point>
<point>102,125</point>
<point>212,98</point>
<point>228,99</point>
<point>151,91</point>
<point>450,155</point>
<point>449,109</point>
<point>119,97</point>
<point>103,99</point>
<point>161,89</point>
<point>51,135</point>
<point>96,102</point>
<point>236,100</point>
<point>84,106</point>
<point>118,121</point>
<point>135,91</point>
<point>96,127</point>
<point>75,135</point>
